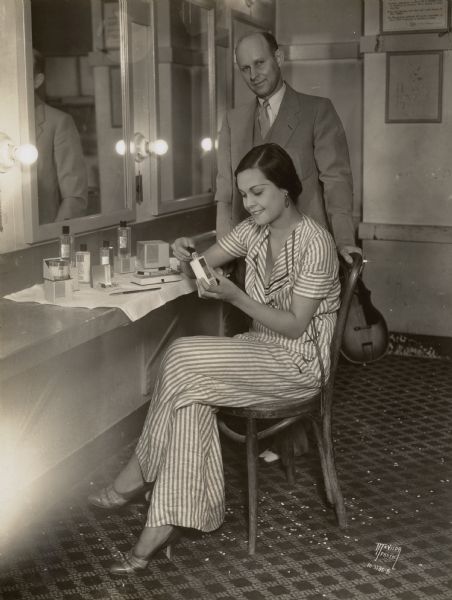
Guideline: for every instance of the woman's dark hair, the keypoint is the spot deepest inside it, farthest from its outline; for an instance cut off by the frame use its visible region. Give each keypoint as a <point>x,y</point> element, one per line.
<point>277,166</point>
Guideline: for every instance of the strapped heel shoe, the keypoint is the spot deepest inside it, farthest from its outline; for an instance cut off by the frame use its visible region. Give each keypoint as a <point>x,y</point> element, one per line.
<point>129,563</point>
<point>109,499</point>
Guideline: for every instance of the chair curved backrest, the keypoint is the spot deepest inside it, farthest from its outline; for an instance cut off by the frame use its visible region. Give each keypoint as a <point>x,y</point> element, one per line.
<point>349,283</point>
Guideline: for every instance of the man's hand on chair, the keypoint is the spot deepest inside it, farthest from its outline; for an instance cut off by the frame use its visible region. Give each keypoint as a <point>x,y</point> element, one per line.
<point>346,251</point>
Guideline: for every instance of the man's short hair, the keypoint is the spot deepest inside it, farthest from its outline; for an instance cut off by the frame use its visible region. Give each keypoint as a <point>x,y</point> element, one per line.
<point>38,62</point>
<point>268,37</point>
<point>271,41</point>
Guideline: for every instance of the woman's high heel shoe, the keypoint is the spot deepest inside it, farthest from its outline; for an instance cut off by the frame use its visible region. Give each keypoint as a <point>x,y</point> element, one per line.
<point>130,563</point>
<point>109,499</point>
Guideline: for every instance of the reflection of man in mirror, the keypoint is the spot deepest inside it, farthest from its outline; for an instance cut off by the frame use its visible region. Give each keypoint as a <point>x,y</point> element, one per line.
<point>62,177</point>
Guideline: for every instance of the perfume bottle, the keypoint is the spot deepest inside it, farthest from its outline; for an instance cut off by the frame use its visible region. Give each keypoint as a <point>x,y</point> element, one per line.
<point>83,263</point>
<point>124,240</point>
<point>67,245</point>
<point>67,252</point>
<point>112,259</point>
<point>104,254</point>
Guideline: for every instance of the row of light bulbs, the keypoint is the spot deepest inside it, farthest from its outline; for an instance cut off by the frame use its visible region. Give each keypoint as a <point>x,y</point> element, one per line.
<point>141,148</point>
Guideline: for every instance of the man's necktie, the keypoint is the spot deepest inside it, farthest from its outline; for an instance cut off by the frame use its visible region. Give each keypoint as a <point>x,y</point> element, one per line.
<point>264,118</point>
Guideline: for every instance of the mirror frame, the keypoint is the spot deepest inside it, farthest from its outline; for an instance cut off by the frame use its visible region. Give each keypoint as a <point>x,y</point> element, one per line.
<point>158,205</point>
<point>33,231</point>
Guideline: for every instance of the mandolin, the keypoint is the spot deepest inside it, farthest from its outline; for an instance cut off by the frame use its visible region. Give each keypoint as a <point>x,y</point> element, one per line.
<point>366,337</point>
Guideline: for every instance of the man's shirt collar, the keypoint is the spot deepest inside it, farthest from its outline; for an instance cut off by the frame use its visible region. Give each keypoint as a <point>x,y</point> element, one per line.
<point>275,100</point>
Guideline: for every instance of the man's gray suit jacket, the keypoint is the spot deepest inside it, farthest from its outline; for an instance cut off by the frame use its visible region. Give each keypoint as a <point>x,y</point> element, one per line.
<point>62,177</point>
<point>309,129</point>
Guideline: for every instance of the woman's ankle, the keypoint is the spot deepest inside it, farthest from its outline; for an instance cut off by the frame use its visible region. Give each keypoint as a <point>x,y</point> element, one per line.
<point>127,489</point>
<point>130,479</point>
<point>151,539</point>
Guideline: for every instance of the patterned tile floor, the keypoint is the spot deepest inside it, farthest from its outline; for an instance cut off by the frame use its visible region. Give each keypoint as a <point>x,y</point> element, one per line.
<point>393,424</point>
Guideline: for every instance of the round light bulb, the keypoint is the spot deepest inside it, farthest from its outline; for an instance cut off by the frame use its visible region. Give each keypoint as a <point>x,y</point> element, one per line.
<point>159,147</point>
<point>206,144</point>
<point>120,147</point>
<point>26,154</point>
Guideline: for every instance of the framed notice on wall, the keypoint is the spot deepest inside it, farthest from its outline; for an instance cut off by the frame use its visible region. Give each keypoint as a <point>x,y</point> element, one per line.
<point>110,10</point>
<point>405,16</point>
<point>414,87</point>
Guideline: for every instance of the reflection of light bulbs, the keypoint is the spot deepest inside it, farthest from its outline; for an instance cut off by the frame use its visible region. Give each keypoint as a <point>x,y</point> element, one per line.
<point>206,144</point>
<point>140,147</point>
<point>26,154</point>
<point>159,147</point>
<point>120,147</point>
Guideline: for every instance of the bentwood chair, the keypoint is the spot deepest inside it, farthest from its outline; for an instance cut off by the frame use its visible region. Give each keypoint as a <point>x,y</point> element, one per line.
<point>317,410</point>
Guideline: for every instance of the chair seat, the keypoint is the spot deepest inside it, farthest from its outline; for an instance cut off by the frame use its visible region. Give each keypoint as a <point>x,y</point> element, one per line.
<point>276,409</point>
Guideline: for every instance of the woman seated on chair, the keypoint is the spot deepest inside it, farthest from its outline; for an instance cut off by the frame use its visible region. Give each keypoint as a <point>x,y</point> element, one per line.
<point>292,295</point>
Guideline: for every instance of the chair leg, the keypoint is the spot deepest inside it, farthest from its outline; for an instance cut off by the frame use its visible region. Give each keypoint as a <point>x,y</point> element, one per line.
<point>288,455</point>
<point>323,462</point>
<point>338,499</point>
<point>252,460</point>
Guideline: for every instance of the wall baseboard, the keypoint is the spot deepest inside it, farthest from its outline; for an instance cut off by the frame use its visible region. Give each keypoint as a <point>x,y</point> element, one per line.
<point>423,346</point>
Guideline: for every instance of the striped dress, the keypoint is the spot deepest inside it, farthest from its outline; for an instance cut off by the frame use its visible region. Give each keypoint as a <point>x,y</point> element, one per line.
<point>179,447</point>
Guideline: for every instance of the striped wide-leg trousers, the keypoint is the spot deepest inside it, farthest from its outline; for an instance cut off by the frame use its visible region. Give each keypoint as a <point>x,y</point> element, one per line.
<point>179,448</point>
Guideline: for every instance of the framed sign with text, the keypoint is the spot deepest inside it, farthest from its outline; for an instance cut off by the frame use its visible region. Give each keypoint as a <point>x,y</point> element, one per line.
<point>110,10</point>
<point>411,16</point>
<point>414,87</point>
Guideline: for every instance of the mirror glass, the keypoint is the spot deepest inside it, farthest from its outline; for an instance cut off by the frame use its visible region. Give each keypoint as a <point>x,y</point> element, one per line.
<point>184,107</point>
<point>78,108</point>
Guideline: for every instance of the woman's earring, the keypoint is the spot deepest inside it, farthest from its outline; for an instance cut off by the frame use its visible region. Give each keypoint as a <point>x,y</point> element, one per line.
<point>286,200</point>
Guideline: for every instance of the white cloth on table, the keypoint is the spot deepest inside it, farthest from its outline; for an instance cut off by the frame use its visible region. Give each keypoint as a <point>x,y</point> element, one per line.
<point>134,305</point>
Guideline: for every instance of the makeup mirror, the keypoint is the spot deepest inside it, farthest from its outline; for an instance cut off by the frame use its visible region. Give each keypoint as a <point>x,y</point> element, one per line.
<point>77,88</point>
<point>186,103</point>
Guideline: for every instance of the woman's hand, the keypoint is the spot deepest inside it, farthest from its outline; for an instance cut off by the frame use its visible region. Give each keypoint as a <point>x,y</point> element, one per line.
<point>224,290</point>
<point>182,248</point>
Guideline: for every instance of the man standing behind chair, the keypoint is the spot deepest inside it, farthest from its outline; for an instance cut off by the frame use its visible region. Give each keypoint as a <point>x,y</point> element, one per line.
<point>306,126</point>
<point>62,176</point>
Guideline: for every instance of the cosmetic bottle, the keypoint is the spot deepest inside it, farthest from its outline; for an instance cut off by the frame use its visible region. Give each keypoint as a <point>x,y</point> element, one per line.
<point>104,255</point>
<point>67,245</point>
<point>67,252</point>
<point>124,240</point>
<point>58,284</point>
<point>112,259</point>
<point>83,262</point>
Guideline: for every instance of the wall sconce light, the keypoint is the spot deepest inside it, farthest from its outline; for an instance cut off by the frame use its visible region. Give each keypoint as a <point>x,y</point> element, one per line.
<point>159,147</point>
<point>120,147</point>
<point>26,154</point>
<point>206,144</point>
<point>143,147</point>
